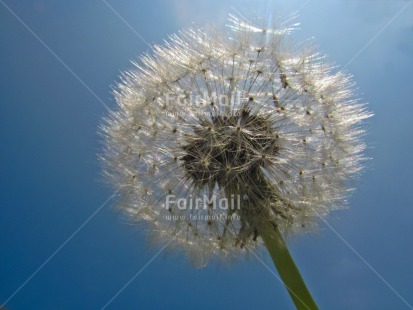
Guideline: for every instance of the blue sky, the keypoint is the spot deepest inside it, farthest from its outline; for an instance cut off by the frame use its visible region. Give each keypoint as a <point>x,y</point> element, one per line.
<point>49,174</point>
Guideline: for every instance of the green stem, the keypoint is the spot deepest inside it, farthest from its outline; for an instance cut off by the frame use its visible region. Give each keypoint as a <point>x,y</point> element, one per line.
<point>286,267</point>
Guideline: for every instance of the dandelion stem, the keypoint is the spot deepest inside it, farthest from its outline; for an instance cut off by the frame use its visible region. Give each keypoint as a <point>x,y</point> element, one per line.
<point>286,267</point>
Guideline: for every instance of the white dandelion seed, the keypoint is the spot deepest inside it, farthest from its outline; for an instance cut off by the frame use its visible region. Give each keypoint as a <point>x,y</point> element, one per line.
<point>239,114</point>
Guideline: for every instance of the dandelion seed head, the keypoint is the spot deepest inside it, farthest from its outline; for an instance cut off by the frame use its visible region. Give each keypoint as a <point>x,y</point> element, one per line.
<point>233,113</point>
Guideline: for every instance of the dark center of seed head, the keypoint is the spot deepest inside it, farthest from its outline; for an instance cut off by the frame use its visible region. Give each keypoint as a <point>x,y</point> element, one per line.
<point>235,147</point>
